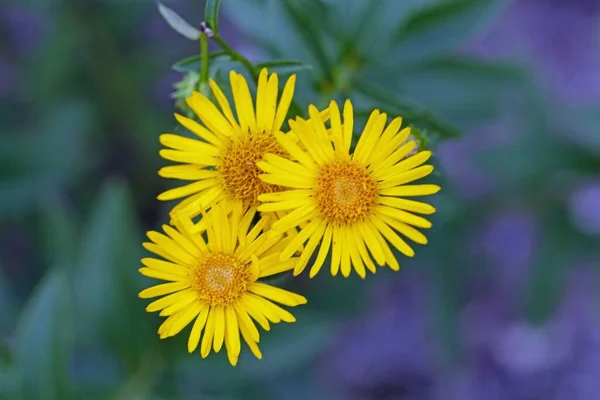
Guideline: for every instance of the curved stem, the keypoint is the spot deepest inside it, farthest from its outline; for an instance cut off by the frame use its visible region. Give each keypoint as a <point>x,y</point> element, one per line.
<point>203,82</point>
<point>236,56</point>
<point>248,65</point>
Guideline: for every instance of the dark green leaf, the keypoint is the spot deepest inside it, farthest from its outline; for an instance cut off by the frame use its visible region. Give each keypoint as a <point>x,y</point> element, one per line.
<point>286,349</point>
<point>305,26</point>
<point>410,111</point>
<point>441,27</point>
<point>554,258</point>
<point>60,230</point>
<point>283,66</point>
<point>177,23</point>
<point>584,128</point>
<point>211,14</point>
<point>42,350</point>
<point>37,157</point>
<point>7,305</point>
<point>107,270</point>
<point>193,63</point>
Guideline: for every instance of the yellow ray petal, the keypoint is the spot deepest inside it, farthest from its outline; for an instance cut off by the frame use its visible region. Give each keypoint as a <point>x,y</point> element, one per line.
<point>188,172</point>
<point>232,336</point>
<point>284,102</point>
<point>198,130</point>
<point>405,230</point>
<point>323,251</point>
<point>403,216</point>
<point>278,295</point>
<point>165,276</point>
<point>209,114</point>
<point>392,237</point>
<point>410,190</point>
<point>194,338</point>
<point>209,331</point>
<point>182,319</point>
<point>224,104</point>
<point>186,144</point>
<point>187,190</point>
<point>165,266</point>
<point>407,205</point>
<point>168,300</point>
<point>170,246</point>
<point>244,319</point>
<point>348,126</point>
<point>162,289</point>
<point>261,100</point>
<point>271,102</point>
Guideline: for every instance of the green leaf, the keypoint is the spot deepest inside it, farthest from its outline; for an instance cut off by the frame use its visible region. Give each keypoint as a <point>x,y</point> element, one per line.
<point>283,66</point>
<point>410,111</point>
<point>311,34</point>
<point>192,64</point>
<point>211,14</point>
<point>60,230</point>
<point>42,350</point>
<point>7,305</point>
<point>441,27</point>
<point>178,24</point>
<point>106,290</point>
<point>35,157</point>
<point>550,273</point>
<point>286,349</point>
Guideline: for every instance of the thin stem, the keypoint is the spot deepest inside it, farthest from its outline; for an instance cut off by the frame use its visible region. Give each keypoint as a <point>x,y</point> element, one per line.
<point>203,82</point>
<point>248,65</point>
<point>236,56</point>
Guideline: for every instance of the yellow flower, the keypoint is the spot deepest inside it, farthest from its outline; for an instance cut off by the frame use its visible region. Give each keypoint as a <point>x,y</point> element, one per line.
<point>222,164</point>
<point>352,204</point>
<point>214,282</point>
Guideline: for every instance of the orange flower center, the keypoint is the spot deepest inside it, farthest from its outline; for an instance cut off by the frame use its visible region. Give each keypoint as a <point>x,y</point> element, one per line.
<point>345,192</point>
<point>239,171</point>
<point>220,279</point>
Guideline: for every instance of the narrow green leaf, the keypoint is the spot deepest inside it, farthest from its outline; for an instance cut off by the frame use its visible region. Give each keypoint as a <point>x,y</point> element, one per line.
<point>442,26</point>
<point>42,349</point>
<point>211,14</point>
<point>550,273</point>
<point>193,63</point>
<point>107,273</point>
<point>311,34</point>
<point>60,230</point>
<point>283,66</point>
<point>178,24</point>
<point>410,111</point>
<point>5,354</point>
<point>7,305</point>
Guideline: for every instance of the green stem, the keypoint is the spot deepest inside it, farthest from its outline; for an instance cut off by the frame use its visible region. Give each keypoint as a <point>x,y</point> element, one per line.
<point>236,56</point>
<point>203,83</point>
<point>248,65</point>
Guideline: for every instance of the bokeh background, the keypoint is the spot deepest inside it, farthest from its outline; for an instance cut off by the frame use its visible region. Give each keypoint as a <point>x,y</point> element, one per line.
<point>501,305</point>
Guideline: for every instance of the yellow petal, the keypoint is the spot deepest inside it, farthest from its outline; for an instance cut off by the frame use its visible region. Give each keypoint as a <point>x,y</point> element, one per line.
<point>232,336</point>
<point>278,295</point>
<point>162,289</point>
<point>194,338</point>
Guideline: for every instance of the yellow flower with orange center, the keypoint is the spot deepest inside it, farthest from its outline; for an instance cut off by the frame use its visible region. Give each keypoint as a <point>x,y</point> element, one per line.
<point>213,281</point>
<point>352,203</point>
<point>221,165</point>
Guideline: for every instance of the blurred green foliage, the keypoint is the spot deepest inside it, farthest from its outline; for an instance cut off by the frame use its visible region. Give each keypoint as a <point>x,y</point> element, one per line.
<point>78,182</point>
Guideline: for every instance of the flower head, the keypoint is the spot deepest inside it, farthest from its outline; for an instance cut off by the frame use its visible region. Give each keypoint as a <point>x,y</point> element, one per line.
<point>222,164</point>
<point>352,203</point>
<point>212,279</point>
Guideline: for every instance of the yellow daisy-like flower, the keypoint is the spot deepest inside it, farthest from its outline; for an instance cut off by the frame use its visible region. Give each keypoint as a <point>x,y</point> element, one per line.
<point>213,282</point>
<point>354,204</point>
<point>222,165</point>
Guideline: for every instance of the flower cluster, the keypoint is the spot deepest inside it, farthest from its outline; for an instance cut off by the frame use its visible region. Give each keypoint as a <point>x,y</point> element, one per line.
<point>259,201</point>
